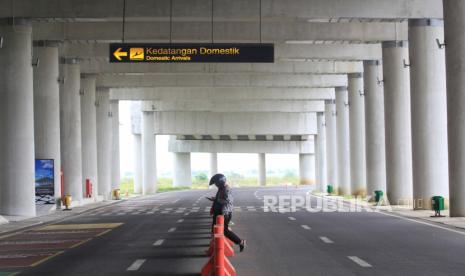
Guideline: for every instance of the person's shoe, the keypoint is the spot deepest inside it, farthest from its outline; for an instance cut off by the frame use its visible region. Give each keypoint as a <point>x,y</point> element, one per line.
<point>242,245</point>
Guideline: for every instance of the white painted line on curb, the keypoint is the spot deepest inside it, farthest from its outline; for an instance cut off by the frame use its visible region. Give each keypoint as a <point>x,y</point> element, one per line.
<point>172,229</point>
<point>181,220</point>
<point>136,265</point>
<point>158,243</point>
<point>359,261</point>
<point>306,227</point>
<point>326,240</point>
<point>291,218</point>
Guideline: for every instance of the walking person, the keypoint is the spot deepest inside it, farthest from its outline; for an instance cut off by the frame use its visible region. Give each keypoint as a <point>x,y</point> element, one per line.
<point>223,205</point>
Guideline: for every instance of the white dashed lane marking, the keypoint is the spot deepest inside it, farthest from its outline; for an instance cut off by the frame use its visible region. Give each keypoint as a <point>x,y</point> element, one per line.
<point>172,229</point>
<point>158,242</point>
<point>326,240</point>
<point>359,261</point>
<point>181,220</point>
<point>306,227</point>
<point>291,218</point>
<point>136,265</point>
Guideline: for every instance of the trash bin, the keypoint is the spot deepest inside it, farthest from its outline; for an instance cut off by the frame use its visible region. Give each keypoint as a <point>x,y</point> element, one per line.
<point>378,195</point>
<point>329,189</point>
<point>437,204</point>
<point>116,194</point>
<point>67,202</point>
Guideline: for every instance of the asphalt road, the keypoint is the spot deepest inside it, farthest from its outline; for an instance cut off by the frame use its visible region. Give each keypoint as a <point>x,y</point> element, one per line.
<point>167,234</point>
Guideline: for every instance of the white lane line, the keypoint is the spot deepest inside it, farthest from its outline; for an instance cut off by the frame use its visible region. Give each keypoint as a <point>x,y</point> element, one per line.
<point>306,227</point>
<point>326,240</point>
<point>291,218</point>
<point>158,242</point>
<point>172,229</point>
<point>359,261</point>
<point>136,265</point>
<point>181,220</point>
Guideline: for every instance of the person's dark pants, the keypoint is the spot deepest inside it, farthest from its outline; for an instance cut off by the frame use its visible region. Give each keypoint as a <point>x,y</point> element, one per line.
<point>228,233</point>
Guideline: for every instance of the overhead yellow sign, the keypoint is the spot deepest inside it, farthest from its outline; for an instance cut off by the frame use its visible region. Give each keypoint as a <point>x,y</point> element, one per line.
<point>122,53</point>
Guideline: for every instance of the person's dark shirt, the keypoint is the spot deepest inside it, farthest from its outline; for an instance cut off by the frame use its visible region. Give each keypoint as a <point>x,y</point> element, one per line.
<point>224,200</point>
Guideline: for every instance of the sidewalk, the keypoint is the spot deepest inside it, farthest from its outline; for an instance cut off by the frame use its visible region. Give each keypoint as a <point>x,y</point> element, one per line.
<point>408,212</point>
<point>16,223</point>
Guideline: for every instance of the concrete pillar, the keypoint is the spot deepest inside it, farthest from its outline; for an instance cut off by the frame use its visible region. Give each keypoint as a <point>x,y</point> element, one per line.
<point>374,127</point>
<point>70,129</point>
<point>331,144</point>
<point>357,135</point>
<point>89,132</point>
<point>182,170</point>
<point>115,154</point>
<point>307,168</point>
<point>137,164</point>
<point>397,122</point>
<point>454,20</point>
<point>429,112</point>
<point>17,192</point>
<point>320,152</point>
<point>261,169</point>
<point>213,163</point>
<point>149,166</point>
<point>343,144</point>
<point>47,108</point>
<point>104,141</point>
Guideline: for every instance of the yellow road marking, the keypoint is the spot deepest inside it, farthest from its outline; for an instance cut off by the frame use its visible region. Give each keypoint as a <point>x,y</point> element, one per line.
<point>103,233</point>
<point>79,226</point>
<point>46,259</point>
<point>80,243</point>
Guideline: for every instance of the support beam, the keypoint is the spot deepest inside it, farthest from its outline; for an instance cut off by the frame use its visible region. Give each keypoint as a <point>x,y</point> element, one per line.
<point>47,109</point>
<point>279,67</point>
<point>261,169</point>
<point>239,10</point>
<point>213,163</point>
<point>220,93</point>
<point>182,170</point>
<point>89,132</point>
<point>104,141</point>
<point>228,123</point>
<point>220,105</point>
<point>454,16</point>
<point>137,163</point>
<point>331,144</point>
<point>374,127</point>
<point>398,122</point>
<point>237,146</point>
<point>225,32</point>
<point>149,164</point>
<point>70,129</point>
<point>307,168</point>
<point>283,52</point>
<point>343,142</point>
<point>17,193</point>
<point>224,80</point>
<point>115,152</point>
<point>357,135</point>
<point>320,153</point>
<point>429,112</point>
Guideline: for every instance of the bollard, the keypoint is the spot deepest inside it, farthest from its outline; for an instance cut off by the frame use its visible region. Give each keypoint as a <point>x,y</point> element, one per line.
<point>220,220</point>
<point>219,256</point>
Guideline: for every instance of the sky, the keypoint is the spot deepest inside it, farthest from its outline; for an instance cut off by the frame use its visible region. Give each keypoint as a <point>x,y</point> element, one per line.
<point>239,163</point>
